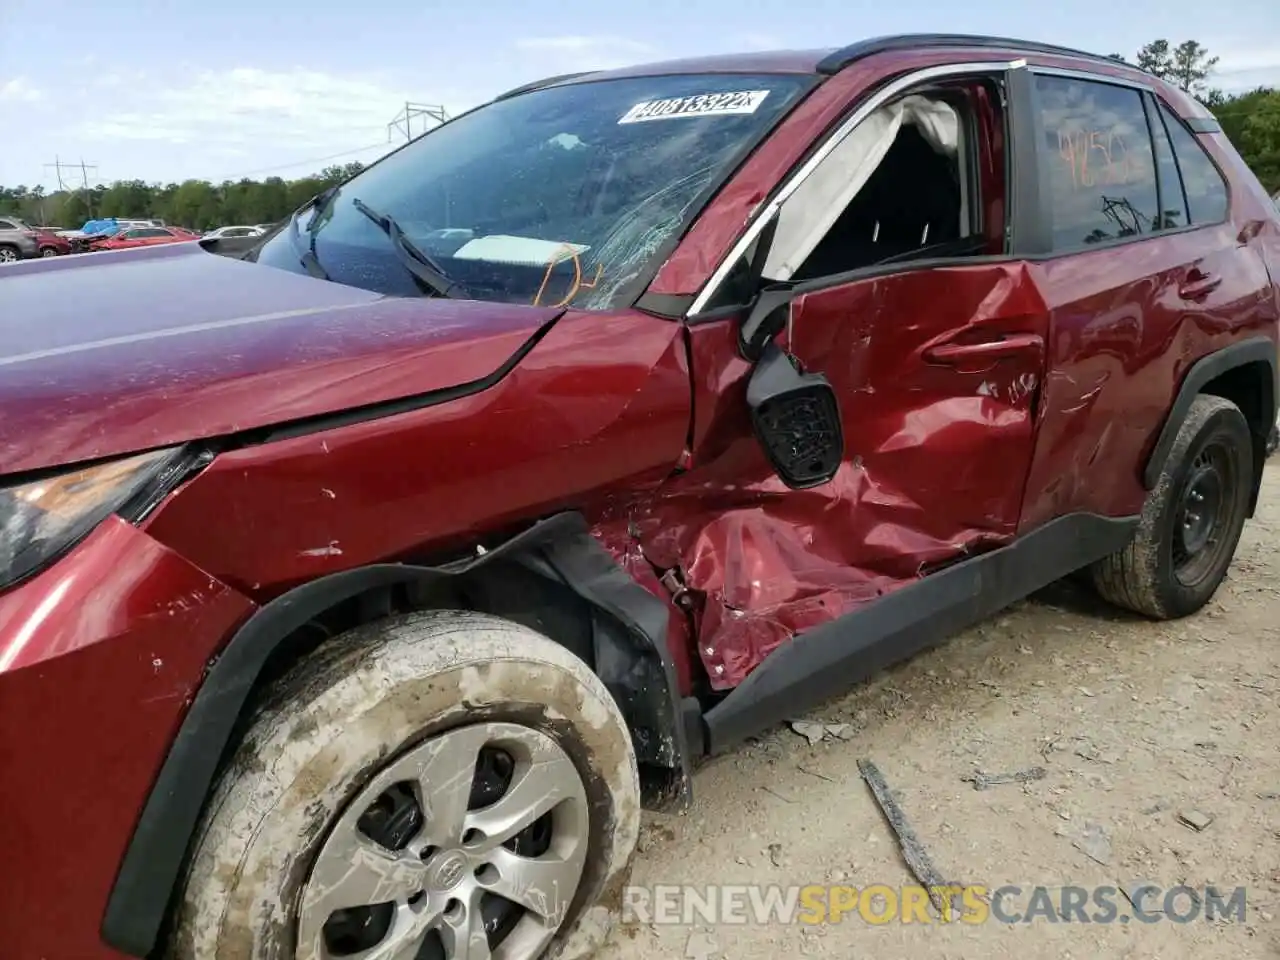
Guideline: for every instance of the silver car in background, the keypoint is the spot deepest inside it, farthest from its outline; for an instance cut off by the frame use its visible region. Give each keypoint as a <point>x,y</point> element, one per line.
<point>17,240</point>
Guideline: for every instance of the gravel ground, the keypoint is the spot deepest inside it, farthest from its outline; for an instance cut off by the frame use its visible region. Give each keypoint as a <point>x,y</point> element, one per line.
<point>1134,724</point>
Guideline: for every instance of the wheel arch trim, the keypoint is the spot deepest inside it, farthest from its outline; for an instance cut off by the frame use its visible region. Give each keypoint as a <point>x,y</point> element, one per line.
<point>1200,374</point>
<point>559,547</point>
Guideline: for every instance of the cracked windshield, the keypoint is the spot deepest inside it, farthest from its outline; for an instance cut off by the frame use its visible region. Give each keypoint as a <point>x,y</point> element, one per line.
<point>566,195</point>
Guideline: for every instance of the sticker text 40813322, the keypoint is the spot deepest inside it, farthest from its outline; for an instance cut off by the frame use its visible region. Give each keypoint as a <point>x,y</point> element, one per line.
<point>699,105</point>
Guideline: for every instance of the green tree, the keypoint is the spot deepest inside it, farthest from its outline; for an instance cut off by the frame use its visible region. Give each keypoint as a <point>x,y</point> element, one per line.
<point>1155,58</point>
<point>1190,66</point>
<point>1251,121</point>
<point>194,203</point>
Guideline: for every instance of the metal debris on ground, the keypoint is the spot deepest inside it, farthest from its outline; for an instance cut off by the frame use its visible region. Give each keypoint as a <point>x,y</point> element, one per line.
<point>817,732</point>
<point>913,851</point>
<point>700,946</point>
<point>1141,893</point>
<point>1094,844</point>
<point>1088,750</point>
<point>775,854</point>
<point>985,781</point>
<point>1194,819</point>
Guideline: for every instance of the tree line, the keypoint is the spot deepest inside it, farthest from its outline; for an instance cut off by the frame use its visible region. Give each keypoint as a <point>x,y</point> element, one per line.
<point>1250,120</point>
<point>197,204</point>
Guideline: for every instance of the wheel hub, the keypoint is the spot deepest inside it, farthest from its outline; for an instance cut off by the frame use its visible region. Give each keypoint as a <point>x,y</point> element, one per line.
<point>1200,518</point>
<point>449,870</point>
<point>473,839</point>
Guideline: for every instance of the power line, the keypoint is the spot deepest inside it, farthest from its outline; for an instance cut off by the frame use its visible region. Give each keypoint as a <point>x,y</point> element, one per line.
<point>402,123</point>
<point>300,163</point>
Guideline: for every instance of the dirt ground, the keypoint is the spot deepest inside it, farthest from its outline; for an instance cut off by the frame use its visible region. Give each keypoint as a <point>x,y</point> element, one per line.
<point>1133,722</point>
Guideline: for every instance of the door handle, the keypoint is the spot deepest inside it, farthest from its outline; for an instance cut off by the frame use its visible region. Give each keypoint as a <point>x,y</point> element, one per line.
<point>1198,285</point>
<point>991,350</point>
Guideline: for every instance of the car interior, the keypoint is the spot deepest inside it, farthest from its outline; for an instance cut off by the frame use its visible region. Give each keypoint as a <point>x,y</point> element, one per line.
<point>905,184</point>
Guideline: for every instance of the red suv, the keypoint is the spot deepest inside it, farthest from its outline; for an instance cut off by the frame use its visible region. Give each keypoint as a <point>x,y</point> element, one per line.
<point>356,595</point>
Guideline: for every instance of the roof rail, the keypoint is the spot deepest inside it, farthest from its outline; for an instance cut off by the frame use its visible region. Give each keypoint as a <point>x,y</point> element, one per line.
<point>837,60</point>
<point>539,84</point>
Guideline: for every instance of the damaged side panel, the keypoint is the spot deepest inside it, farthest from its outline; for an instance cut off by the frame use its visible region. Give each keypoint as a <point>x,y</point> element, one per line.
<point>938,374</point>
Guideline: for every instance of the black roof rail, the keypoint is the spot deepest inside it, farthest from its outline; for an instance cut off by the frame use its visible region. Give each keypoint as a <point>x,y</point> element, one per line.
<point>539,84</point>
<point>837,60</point>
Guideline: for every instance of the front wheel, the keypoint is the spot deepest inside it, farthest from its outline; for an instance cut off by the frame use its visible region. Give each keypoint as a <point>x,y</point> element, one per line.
<point>48,251</point>
<point>441,786</point>
<point>1191,521</point>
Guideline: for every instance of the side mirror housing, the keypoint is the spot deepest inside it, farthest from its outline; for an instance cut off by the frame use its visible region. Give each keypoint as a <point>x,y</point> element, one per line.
<point>796,417</point>
<point>767,318</point>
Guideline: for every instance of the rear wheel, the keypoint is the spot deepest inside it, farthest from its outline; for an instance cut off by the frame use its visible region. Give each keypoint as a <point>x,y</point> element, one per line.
<point>9,254</point>
<point>430,787</point>
<point>1191,521</point>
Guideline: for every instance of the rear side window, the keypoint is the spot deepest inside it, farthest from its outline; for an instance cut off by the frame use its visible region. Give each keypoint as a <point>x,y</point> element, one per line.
<point>1206,190</point>
<point>1101,166</point>
<point>1174,201</point>
<point>6,225</point>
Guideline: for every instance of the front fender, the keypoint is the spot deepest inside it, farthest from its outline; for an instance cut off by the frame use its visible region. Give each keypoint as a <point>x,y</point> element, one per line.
<point>627,631</point>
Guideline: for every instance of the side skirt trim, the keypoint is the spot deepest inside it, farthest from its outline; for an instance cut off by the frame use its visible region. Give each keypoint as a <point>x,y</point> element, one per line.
<point>829,659</point>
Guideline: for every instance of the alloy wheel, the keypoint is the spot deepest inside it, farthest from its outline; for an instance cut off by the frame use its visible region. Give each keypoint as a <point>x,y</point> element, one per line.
<point>469,845</point>
<point>7,255</point>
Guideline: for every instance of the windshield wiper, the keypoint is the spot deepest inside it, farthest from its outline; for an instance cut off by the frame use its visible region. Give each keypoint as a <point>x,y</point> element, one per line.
<point>415,259</point>
<point>307,251</point>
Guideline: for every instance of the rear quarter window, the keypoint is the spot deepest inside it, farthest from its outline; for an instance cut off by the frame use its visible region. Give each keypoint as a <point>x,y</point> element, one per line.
<point>1205,187</point>
<point>1100,162</point>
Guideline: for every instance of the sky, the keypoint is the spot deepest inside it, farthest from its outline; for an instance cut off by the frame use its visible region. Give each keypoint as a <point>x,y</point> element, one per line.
<point>165,90</point>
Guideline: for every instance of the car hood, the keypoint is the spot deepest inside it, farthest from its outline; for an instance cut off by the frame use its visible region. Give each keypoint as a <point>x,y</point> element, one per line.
<point>115,352</point>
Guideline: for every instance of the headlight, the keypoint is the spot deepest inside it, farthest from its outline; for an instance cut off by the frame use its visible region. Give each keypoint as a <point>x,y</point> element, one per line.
<point>42,519</point>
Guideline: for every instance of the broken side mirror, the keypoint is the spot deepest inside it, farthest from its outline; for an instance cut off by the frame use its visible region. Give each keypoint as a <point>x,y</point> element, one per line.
<point>796,417</point>
<point>766,319</point>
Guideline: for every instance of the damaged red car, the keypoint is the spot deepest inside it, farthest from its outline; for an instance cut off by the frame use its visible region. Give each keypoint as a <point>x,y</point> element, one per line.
<point>357,594</point>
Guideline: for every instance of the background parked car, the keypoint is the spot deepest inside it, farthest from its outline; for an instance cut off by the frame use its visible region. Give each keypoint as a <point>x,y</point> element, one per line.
<point>223,233</point>
<point>50,244</point>
<point>17,240</point>
<point>145,237</point>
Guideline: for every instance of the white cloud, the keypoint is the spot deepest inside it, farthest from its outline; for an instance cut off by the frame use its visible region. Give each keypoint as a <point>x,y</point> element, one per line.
<point>588,52</point>
<point>757,42</point>
<point>246,104</point>
<point>1244,66</point>
<point>19,90</point>
<point>242,121</point>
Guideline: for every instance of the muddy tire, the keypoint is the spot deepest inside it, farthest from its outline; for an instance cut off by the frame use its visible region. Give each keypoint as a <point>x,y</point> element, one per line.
<point>1191,521</point>
<point>399,783</point>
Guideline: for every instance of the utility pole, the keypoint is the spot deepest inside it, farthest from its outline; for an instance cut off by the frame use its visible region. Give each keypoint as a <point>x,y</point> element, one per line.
<point>402,123</point>
<point>58,166</point>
